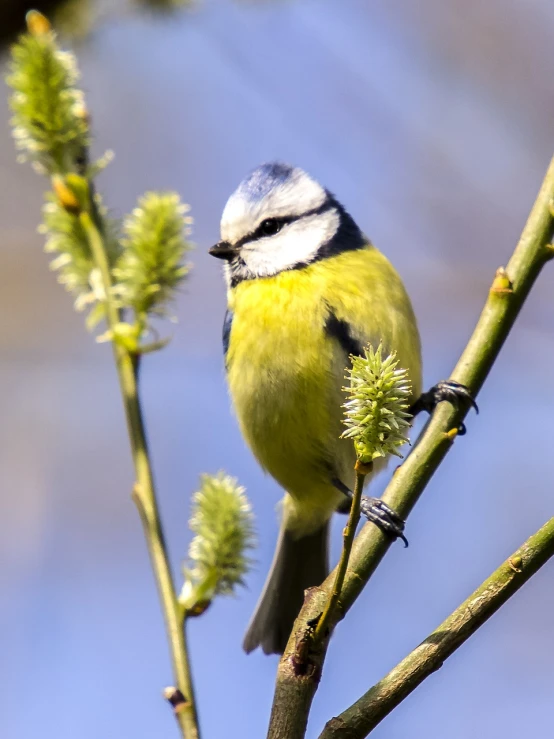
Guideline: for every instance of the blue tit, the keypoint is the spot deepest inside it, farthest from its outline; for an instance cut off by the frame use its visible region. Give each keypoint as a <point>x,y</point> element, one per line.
<point>306,289</point>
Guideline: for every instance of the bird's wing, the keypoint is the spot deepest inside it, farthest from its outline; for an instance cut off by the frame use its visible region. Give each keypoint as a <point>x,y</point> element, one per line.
<point>367,304</point>
<point>226,332</point>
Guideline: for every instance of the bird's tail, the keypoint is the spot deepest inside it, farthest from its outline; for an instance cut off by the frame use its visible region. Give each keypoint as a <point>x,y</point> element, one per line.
<point>299,563</point>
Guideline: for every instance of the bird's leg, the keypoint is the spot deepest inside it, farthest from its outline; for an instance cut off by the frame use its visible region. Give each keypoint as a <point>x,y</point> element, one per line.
<point>453,392</point>
<point>375,510</point>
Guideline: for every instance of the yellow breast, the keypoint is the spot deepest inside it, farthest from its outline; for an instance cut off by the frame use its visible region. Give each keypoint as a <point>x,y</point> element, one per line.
<point>286,373</point>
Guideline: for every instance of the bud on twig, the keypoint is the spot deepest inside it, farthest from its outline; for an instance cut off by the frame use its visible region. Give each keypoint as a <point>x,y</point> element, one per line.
<point>376,416</point>
<point>222,522</point>
<point>65,197</point>
<point>37,24</point>
<point>150,268</point>
<point>46,128</point>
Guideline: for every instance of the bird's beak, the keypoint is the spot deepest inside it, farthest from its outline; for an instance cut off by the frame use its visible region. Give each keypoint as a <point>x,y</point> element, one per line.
<point>224,250</point>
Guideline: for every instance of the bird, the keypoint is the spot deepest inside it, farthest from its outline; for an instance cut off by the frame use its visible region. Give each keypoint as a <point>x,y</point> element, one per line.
<point>306,290</point>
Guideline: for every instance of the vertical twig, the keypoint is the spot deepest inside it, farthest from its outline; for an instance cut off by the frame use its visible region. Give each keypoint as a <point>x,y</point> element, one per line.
<point>144,495</point>
<point>348,539</point>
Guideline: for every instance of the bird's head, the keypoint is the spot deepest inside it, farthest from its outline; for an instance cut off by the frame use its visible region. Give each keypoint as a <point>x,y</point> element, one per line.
<point>279,219</point>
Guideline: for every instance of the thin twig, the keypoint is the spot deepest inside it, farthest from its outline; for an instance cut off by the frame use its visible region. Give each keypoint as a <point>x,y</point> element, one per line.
<point>144,494</point>
<point>362,717</point>
<point>348,540</point>
<point>293,693</point>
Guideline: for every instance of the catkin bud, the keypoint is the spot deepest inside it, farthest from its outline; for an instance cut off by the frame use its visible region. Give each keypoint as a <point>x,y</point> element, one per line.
<point>376,412</point>
<point>222,522</point>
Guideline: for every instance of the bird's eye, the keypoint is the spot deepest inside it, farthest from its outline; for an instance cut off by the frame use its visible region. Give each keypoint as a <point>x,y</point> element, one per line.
<point>270,226</point>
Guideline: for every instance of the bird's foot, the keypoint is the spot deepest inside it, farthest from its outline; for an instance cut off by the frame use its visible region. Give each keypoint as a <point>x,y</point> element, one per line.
<point>387,519</point>
<point>375,510</point>
<point>453,392</point>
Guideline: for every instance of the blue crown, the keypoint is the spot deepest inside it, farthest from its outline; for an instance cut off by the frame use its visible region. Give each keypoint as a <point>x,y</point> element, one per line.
<point>264,179</point>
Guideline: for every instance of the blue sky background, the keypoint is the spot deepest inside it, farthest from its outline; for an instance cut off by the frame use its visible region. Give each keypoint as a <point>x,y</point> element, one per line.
<point>432,122</point>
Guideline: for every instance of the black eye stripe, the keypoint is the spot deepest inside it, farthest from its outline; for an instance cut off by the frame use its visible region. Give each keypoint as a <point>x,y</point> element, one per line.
<point>258,233</point>
<point>269,227</point>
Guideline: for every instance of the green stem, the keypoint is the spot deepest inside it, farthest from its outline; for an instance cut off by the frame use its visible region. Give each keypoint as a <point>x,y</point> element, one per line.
<point>144,495</point>
<point>348,539</point>
<point>364,715</point>
<point>505,300</point>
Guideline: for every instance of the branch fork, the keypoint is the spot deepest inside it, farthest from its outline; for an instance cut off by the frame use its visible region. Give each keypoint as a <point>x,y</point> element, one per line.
<point>509,289</point>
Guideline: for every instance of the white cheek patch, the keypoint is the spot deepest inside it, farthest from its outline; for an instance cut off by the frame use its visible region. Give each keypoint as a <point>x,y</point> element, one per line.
<point>297,243</point>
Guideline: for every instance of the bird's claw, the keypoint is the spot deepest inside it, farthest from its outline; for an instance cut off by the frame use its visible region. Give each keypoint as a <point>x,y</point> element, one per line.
<point>375,510</point>
<point>453,392</point>
<point>388,520</point>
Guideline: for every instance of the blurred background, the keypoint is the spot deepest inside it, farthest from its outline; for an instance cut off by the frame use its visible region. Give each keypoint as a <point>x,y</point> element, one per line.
<point>434,123</point>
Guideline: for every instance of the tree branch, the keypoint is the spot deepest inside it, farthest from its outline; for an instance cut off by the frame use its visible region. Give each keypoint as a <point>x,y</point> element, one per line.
<point>364,715</point>
<point>295,690</point>
<point>144,495</point>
